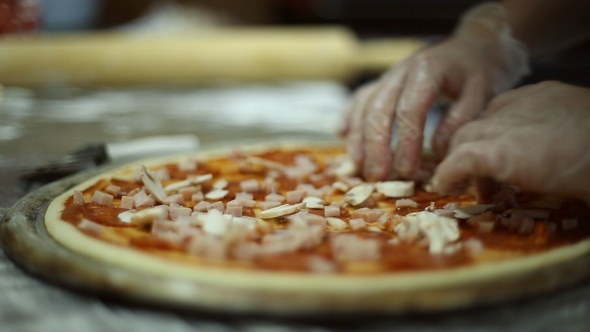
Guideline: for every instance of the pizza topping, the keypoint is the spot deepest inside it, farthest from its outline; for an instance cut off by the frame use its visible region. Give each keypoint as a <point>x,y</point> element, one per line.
<point>395,189</point>
<point>352,248</point>
<point>269,164</point>
<point>533,213</point>
<point>469,211</point>
<point>202,206</point>
<point>113,190</point>
<point>152,184</point>
<point>369,215</point>
<point>358,195</point>
<point>176,198</point>
<point>90,226</point>
<point>242,202</point>
<point>79,198</point>
<point>474,246</point>
<point>126,216</point>
<point>235,210</point>
<point>147,216</point>
<point>250,186</point>
<point>332,211</point>
<point>357,224</point>
<point>279,211</point>
<point>275,197</point>
<point>340,186</point>
<point>319,264</point>
<point>102,198</point>
<point>216,194</point>
<point>178,211</point>
<point>268,204</point>
<point>406,202</point>
<point>312,202</point>
<point>142,199</point>
<point>220,184</point>
<point>215,223</point>
<point>198,196</point>
<point>435,230</point>
<point>126,202</point>
<point>294,196</point>
<point>217,206</point>
<point>337,223</point>
<point>343,168</point>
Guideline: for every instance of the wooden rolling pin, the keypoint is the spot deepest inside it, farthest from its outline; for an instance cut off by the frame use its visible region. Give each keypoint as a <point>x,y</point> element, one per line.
<point>203,57</point>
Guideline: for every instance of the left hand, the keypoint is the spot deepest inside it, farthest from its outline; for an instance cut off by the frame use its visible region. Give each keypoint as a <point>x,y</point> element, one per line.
<point>536,137</point>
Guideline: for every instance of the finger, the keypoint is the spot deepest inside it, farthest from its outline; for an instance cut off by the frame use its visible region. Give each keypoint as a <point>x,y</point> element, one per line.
<point>355,137</point>
<point>472,102</point>
<point>473,159</point>
<point>378,122</point>
<point>416,99</point>
<point>501,101</point>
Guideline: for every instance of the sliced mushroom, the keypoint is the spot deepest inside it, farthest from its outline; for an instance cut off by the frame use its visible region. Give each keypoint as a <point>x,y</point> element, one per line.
<point>358,194</point>
<point>152,183</point>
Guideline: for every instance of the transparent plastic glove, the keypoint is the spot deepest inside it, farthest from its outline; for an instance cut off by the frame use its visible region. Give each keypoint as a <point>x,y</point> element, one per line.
<point>536,137</point>
<point>480,60</point>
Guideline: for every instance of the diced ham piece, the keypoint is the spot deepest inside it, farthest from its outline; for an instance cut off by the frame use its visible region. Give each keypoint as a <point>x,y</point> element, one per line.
<point>217,206</point>
<point>246,251</point>
<point>269,185</point>
<point>331,211</point>
<point>176,212</point>
<point>242,202</point>
<point>79,198</point>
<point>244,195</point>
<point>406,202</point>
<point>351,248</point>
<point>141,199</point>
<point>102,198</point>
<point>163,174</point>
<point>319,264</point>
<point>90,226</point>
<point>127,202</point>
<point>357,224</point>
<point>176,198</point>
<point>113,190</point>
<point>369,215</point>
<point>485,226</point>
<point>474,246</point>
<point>198,196</point>
<point>250,186</point>
<point>275,197</point>
<point>187,165</point>
<point>235,211</point>
<point>265,205</point>
<point>202,206</point>
<point>294,196</point>
<point>188,192</point>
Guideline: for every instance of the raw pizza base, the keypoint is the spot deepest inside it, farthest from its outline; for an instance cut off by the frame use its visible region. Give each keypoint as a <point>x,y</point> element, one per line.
<point>296,293</point>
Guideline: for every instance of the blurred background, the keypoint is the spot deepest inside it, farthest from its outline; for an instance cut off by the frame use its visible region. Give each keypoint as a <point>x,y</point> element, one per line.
<point>81,72</point>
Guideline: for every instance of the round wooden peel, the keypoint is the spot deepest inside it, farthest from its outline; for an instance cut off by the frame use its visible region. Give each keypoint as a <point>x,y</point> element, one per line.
<point>26,240</point>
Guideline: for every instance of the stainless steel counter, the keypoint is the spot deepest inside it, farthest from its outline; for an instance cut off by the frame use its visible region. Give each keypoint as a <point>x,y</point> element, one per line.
<point>39,126</point>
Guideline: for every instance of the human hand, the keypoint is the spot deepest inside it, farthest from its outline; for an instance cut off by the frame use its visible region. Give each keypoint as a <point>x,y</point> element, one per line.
<point>479,61</point>
<point>536,137</point>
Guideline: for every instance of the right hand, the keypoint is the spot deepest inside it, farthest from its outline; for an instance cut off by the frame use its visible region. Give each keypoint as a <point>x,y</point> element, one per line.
<point>536,137</point>
<point>479,61</point>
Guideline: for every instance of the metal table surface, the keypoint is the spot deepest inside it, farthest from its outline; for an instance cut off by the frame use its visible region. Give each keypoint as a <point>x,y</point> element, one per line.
<point>36,126</point>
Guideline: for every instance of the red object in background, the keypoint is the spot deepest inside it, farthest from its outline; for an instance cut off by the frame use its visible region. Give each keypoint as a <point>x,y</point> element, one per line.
<point>17,16</point>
